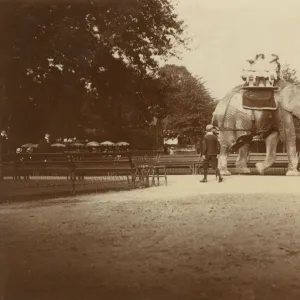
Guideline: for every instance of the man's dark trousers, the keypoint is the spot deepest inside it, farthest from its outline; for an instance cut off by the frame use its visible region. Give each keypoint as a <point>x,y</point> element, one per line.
<point>214,164</point>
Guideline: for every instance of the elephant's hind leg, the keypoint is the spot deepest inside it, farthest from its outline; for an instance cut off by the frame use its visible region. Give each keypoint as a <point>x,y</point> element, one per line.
<point>271,146</point>
<point>226,140</point>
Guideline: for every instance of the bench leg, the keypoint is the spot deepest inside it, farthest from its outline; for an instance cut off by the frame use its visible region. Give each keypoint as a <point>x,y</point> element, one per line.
<point>193,169</point>
<point>134,175</point>
<point>73,186</point>
<point>153,176</point>
<point>147,178</point>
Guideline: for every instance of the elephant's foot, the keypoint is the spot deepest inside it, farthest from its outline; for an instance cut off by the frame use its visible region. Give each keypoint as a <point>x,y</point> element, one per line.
<point>242,170</point>
<point>293,172</point>
<point>260,167</point>
<point>225,173</point>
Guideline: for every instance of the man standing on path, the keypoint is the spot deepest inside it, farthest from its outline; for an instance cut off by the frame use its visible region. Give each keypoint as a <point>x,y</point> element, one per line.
<point>210,153</point>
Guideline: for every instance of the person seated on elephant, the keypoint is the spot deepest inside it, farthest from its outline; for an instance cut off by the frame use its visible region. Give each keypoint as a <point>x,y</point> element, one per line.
<point>210,152</point>
<point>275,66</point>
<point>260,68</point>
<point>248,70</point>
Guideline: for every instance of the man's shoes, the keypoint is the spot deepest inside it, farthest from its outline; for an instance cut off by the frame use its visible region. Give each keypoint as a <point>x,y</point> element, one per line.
<point>203,180</point>
<point>220,179</point>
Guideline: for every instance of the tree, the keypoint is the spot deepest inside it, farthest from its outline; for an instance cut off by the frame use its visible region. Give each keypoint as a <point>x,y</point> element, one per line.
<point>84,63</point>
<point>289,74</point>
<point>189,105</point>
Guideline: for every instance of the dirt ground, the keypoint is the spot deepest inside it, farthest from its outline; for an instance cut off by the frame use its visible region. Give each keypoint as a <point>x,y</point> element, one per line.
<point>183,241</point>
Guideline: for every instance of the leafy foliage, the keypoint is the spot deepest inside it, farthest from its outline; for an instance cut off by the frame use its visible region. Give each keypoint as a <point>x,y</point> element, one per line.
<point>189,105</point>
<point>289,74</point>
<point>86,63</point>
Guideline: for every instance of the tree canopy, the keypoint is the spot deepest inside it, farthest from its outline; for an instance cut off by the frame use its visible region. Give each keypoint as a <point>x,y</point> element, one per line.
<point>86,64</point>
<point>189,105</point>
<point>289,74</point>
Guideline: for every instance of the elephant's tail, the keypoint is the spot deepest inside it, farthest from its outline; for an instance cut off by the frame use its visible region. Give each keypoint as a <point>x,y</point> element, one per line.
<point>214,120</point>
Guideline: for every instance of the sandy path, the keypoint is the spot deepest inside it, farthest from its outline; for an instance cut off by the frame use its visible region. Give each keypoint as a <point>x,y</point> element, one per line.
<point>174,242</point>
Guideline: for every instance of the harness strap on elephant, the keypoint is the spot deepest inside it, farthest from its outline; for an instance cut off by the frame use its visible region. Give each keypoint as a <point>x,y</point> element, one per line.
<point>252,130</point>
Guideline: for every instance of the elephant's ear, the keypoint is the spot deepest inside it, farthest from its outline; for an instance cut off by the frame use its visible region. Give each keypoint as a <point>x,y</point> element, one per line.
<point>290,100</point>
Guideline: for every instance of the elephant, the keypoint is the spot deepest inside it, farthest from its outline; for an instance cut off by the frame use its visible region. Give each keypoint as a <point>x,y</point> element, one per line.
<point>238,125</point>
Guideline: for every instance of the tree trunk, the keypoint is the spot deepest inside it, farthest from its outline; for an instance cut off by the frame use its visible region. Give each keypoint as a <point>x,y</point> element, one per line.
<point>1,164</point>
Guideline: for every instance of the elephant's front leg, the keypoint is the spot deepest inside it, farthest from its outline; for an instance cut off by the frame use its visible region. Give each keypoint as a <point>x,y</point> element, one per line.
<point>271,146</point>
<point>241,162</point>
<point>292,157</point>
<point>290,140</point>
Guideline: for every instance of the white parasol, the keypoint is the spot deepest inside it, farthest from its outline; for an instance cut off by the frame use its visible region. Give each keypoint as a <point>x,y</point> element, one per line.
<point>122,144</point>
<point>107,143</point>
<point>92,144</point>
<point>29,145</point>
<point>58,145</point>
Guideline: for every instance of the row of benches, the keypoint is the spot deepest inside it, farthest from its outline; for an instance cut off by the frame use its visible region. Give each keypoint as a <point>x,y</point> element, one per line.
<point>77,166</point>
<point>253,158</point>
<point>194,161</point>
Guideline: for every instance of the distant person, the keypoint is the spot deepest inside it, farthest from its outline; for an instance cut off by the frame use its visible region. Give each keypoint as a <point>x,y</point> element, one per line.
<point>172,151</point>
<point>210,153</point>
<point>5,149</point>
<point>166,151</point>
<point>44,144</point>
<point>276,66</point>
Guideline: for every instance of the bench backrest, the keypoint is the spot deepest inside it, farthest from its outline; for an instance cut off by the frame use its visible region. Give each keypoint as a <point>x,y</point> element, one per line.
<point>139,160</point>
<point>281,157</point>
<point>256,157</point>
<point>192,158</point>
<point>232,157</point>
<point>118,162</point>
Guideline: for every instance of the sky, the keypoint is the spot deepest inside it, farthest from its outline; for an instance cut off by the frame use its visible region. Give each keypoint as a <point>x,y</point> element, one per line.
<point>227,32</point>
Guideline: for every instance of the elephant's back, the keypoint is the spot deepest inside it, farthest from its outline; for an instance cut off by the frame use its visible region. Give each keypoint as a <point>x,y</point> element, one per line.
<point>233,100</point>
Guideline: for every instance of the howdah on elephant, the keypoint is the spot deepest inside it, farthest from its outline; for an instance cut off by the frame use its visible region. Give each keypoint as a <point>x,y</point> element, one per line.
<point>273,117</point>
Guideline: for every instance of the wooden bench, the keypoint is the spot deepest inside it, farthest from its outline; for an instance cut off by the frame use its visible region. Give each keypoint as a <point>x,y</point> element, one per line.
<point>255,158</point>
<point>180,161</point>
<point>26,165</point>
<point>145,160</point>
<point>11,169</point>
<point>280,162</point>
<point>106,166</point>
<point>231,160</point>
<point>146,165</point>
<point>46,168</point>
<point>231,163</point>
